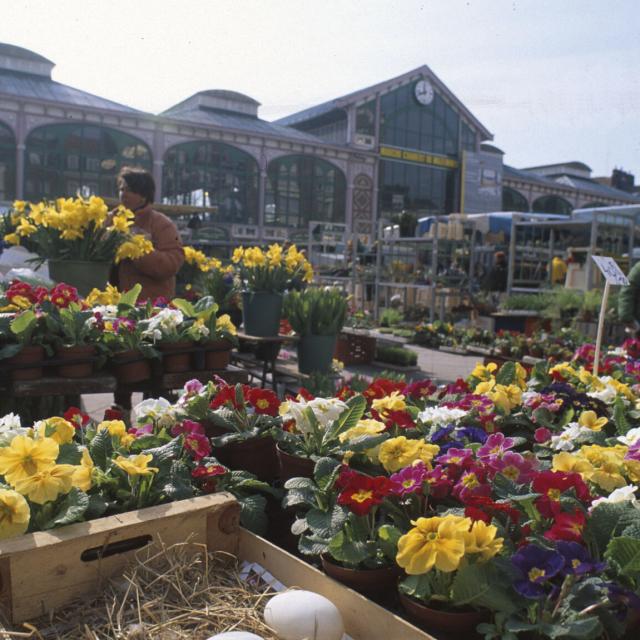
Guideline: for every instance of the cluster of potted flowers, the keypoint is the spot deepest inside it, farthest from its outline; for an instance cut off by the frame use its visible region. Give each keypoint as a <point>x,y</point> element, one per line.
<point>79,237</point>
<point>79,334</point>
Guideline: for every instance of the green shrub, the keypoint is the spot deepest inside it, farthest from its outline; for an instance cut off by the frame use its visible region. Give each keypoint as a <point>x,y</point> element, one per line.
<point>397,355</point>
<point>316,312</point>
<point>390,317</point>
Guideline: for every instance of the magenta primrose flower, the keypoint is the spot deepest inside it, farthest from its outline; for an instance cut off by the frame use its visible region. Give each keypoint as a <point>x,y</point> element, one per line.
<point>495,445</point>
<point>124,324</point>
<point>460,457</point>
<point>542,434</point>
<point>188,427</point>
<point>472,483</point>
<point>144,430</point>
<point>197,444</point>
<point>193,387</point>
<point>409,480</point>
<point>514,466</point>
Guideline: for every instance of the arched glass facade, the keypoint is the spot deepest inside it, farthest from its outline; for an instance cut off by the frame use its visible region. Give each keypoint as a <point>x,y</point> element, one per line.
<point>407,123</point>
<point>303,188</point>
<point>212,174</point>
<point>593,205</point>
<point>7,163</point>
<point>551,204</point>
<point>65,159</point>
<point>513,200</point>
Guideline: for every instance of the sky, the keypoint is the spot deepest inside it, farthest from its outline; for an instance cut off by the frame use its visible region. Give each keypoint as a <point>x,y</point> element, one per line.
<point>553,80</point>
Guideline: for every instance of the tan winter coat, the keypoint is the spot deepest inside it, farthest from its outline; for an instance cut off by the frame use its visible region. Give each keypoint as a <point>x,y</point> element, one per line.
<point>156,272</point>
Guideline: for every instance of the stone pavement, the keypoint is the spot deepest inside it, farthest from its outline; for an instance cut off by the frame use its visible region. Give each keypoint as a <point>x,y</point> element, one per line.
<point>436,365</point>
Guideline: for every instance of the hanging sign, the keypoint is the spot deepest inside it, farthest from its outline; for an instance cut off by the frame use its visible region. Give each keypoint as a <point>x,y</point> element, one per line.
<point>610,270</point>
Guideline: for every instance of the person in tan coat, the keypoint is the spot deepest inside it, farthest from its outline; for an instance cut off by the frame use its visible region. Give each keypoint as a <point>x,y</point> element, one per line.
<point>156,272</point>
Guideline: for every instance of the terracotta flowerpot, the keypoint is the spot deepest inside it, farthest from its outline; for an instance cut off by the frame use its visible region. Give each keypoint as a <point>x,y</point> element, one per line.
<point>31,354</point>
<point>255,455</point>
<point>377,584</point>
<point>217,354</point>
<point>292,466</point>
<point>130,366</point>
<point>78,369</point>
<point>453,622</point>
<point>174,358</point>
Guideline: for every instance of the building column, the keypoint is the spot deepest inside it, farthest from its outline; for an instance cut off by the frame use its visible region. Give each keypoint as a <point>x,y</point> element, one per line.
<point>158,166</point>
<point>157,153</point>
<point>20,149</point>
<point>262,191</point>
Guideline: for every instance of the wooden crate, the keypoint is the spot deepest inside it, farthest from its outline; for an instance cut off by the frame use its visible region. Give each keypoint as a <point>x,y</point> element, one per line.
<point>353,348</point>
<point>44,570</point>
<point>363,619</point>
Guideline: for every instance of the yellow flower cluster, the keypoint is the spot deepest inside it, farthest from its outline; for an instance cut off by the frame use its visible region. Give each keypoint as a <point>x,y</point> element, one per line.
<point>117,429</point>
<point>200,260</point>
<point>443,542</point>
<point>110,295</point>
<point>394,402</point>
<point>134,248</point>
<point>29,465</point>
<point>275,257</point>
<point>605,467</point>
<point>504,397</point>
<point>224,324</point>
<point>397,453</point>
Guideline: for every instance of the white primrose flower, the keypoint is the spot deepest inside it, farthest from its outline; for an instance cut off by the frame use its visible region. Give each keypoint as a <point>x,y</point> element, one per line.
<point>566,440</point>
<point>326,410</point>
<point>631,437</point>
<point>441,416</point>
<point>10,427</point>
<point>623,494</point>
<point>158,410</point>
<point>608,394</point>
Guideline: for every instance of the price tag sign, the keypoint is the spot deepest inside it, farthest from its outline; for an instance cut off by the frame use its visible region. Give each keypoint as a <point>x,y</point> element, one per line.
<point>610,270</point>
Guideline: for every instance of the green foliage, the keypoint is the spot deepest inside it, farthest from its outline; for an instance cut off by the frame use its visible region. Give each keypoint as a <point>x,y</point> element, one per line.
<point>317,312</point>
<point>390,317</point>
<point>397,355</point>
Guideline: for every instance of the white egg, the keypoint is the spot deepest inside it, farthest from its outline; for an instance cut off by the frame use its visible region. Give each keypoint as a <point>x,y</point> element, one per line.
<point>304,615</point>
<point>235,635</point>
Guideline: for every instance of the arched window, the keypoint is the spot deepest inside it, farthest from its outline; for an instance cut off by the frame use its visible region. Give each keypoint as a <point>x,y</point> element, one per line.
<point>551,204</point>
<point>65,159</point>
<point>593,205</point>
<point>212,174</point>
<point>7,163</point>
<point>513,200</point>
<point>304,188</point>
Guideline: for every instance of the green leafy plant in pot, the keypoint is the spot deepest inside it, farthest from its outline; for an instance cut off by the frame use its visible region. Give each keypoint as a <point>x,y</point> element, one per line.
<point>317,316</point>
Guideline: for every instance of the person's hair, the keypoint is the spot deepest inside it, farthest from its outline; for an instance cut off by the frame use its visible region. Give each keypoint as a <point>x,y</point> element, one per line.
<point>138,181</point>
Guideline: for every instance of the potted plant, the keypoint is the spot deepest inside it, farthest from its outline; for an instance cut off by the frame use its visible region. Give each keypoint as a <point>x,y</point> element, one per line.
<point>239,420</point>
<point>79,238</point>
<point>317,316</point>
<point>216,334</point>
<point>23,343</point>
<point>264,277</point>
<point>170,331</point>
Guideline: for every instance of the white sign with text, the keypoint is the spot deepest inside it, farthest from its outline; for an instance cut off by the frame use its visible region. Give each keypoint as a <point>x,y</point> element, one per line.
<point>610,270</point>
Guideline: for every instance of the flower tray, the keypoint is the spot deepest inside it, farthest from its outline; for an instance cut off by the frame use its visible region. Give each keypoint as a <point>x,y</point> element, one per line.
<point>42,571</point>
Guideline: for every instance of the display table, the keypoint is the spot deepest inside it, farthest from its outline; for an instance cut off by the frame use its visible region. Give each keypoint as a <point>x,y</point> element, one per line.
<point>262,350</point>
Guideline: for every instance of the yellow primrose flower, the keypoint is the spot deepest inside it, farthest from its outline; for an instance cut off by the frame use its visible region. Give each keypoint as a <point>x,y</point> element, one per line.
<point>21,302</point>
<point>14,514</point>
<point>564,369</point>
<point>482,539</point>
<point>484,372</point>
<point>56,428</point>
<point>136,465</point>
<point>397,453</point>
<point>115,428</point>
<point>434,542</point>
<point>364,427</point>
<point>632,469</point>
<point>26,456</point>
<point>485,387</point>
<point>48,484</point>
<point>521,376</point>
<point>82,473</point>
<point>110,295</point>
<point>394,402</point>
<point>587,378</point>
<point>570,463</point>
<point>608,465</point>
<point>622,388</point>
<point>223,323</point>
<point>590,420</point>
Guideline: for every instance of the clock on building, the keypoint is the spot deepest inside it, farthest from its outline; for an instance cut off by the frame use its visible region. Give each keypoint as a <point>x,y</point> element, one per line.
<point>423,92</point>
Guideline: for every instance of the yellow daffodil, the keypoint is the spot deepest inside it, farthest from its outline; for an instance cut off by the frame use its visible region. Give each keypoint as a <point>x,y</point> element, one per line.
<point>25,228</point>
<point>274,255</point>
<point>110,295</point>
<point>12,238</point>
<point>47,484</point>
<point>590,420</point>
<point>238,254</point>
<point>482,539</point>
<point>14,514</point>
<point>136,465</point>
<point>137,247</point>
<point>82,477</point>
<point>437,542</point>
<point>19,205</point>
<point>56,428</point>
<point>25,456</point>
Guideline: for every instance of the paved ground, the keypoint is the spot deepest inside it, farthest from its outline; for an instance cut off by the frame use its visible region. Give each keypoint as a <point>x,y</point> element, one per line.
<point>437,365</point>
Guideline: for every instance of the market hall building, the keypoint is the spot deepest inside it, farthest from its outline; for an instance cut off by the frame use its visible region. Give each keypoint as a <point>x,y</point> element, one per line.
<point>407,144</point>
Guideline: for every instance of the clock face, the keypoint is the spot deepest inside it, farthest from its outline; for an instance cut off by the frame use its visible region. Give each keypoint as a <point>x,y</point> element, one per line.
<point>424,92</point>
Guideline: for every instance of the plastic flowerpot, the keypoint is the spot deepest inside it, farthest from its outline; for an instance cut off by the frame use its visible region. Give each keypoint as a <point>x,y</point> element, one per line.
<point>292,466</point>
<point>217,354</point>
<point>176,356</point>
<point>77,353</point>
<point>255,455</point>
<point>81,274</point>
<point>315,353</point>
<point>261,313</point>
<point>378,584</point>
<point>30,354</point>
<point>130,366</point>
<point>450,622</point>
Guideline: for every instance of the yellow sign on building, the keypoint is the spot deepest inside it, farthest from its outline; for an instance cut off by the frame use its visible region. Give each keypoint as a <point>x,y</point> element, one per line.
<point>418,156</point>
